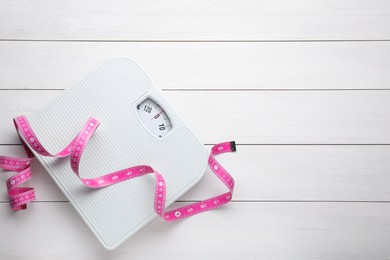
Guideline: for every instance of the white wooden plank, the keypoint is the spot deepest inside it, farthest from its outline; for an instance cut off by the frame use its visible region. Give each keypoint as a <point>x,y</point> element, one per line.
<point>276,172</point>
<point>254,117</point>
<point>216,65</point>
<point>195,20</point>
<point>239,230</point>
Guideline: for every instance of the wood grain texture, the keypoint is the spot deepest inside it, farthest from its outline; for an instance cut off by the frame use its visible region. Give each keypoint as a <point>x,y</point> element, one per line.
<point>302,86</point>
<point>211,65</point>
<point>190,20</point>
<point>272,173</point>
<point>238,230</point>
<point>252,117</point>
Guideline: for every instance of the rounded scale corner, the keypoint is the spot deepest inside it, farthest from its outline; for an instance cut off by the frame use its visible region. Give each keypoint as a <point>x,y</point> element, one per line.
<point>109,247</point>
<point>114,245</point>
<point>123,59</point>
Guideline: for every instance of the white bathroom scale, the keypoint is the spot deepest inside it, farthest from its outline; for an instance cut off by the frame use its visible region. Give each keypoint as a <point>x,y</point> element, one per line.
<point>138,127</point>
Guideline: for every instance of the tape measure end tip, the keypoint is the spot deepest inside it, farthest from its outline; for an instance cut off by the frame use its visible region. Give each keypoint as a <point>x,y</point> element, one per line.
<point>233,146</point>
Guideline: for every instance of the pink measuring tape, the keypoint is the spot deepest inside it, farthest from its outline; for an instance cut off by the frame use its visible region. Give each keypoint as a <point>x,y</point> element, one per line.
<point>20,196</point>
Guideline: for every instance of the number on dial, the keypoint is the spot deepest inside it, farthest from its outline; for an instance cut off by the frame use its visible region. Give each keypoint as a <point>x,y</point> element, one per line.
<point>154,117</point>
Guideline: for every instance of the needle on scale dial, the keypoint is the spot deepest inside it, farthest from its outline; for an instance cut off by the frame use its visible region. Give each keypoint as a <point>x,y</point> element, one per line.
<point>147,110</point>
<point>157,115</point>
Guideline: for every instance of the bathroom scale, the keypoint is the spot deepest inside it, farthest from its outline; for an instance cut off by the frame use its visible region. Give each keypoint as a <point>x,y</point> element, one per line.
<point>138,127</point>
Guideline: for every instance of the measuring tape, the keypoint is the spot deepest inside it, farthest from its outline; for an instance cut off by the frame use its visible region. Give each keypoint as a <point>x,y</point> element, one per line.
<point>20,196</point>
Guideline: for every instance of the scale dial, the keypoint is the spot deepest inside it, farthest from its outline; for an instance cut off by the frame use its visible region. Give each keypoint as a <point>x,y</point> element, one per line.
<point>154,117</point>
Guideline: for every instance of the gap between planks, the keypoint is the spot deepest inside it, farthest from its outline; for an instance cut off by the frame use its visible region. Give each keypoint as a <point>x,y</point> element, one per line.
<point>190,41</point>
<point>227,89</point>
<point>243,201</point>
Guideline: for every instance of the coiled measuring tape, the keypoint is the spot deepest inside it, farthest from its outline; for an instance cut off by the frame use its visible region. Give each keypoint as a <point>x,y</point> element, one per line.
<point>20,196</point>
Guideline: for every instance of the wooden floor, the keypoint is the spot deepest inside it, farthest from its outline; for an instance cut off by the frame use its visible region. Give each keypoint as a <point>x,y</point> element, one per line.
<point>302,86</point>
